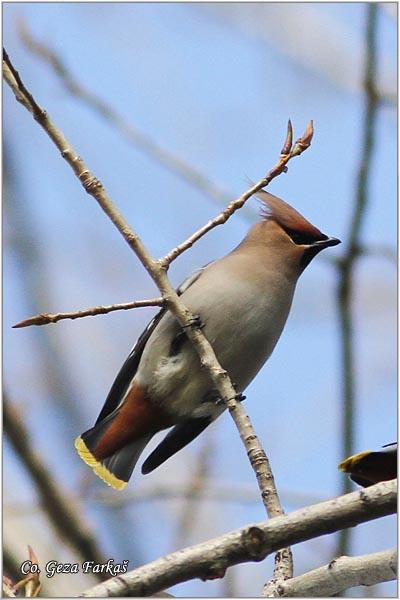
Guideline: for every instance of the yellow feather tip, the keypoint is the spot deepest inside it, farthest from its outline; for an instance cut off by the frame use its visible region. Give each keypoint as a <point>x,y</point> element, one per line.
<point>348,465</point>
<point>100,470</point>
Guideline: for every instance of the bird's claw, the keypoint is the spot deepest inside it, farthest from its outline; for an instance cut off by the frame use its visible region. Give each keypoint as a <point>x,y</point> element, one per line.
<point>194,322</point>
<point>239,397</point>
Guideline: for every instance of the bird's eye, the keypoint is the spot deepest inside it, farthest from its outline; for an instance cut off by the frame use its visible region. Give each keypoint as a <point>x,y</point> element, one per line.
<point>303,239</point>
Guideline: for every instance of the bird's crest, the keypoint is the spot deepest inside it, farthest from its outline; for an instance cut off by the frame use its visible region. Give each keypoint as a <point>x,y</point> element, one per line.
<point>287,217</point>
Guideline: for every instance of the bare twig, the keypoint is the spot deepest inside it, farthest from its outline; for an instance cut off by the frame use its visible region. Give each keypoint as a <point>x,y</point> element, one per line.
<point>210,559</point>
<point>341,574</point>
<point>12,571</point>
<point>45,318</point>
<point>31,584</point>
<point>344,297</point>
<point>59,508</point>
<point>152,148</point>
<point>287,153</point>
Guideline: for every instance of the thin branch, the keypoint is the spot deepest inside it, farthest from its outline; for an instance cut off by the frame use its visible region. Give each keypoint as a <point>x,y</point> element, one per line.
<point>287,153</point>
<point>45,318</point>
<point>153,149</point>
<point>157,271</point>
<point>283,571</point>
<point>341,574</point>
<point>210,559</point>
<point>58,506</point>
<point>344,296</point>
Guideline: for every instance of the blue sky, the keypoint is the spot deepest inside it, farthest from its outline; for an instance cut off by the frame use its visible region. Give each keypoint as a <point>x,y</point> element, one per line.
<point>215,85</point>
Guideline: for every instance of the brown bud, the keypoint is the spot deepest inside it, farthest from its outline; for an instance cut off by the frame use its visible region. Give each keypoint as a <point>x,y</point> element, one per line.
<point>287,146</point>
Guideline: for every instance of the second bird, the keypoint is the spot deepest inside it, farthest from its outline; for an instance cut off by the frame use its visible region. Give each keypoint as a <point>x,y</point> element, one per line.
<point>243,301</point>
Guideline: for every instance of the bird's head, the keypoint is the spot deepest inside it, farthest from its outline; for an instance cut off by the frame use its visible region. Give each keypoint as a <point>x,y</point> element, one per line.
<point>286,229</point>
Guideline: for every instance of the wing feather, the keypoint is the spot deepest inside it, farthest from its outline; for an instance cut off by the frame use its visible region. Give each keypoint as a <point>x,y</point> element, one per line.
<point>130,366</point>
<point>181,435</point>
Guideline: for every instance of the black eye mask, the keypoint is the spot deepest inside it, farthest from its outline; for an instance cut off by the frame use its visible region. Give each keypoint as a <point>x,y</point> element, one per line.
<point>304,239</point>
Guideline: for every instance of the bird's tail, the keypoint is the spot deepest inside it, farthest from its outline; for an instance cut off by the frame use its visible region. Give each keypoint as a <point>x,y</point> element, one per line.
<point>115,470</point>
<point>348,465</point>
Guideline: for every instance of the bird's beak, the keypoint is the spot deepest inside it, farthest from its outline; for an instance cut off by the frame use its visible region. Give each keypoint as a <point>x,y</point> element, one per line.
<point>326,243</point>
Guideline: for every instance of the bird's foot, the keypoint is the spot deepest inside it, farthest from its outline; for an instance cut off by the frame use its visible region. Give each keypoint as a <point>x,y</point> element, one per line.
<point>194,322</point>
<point>238,396</point>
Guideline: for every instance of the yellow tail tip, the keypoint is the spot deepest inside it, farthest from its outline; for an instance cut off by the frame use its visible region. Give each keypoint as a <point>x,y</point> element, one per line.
<point>348,464</point>
<point>100,470</point>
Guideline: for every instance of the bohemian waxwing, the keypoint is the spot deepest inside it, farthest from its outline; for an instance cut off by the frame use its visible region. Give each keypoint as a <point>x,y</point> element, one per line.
<point>367,468</point>
<point>243,301</point>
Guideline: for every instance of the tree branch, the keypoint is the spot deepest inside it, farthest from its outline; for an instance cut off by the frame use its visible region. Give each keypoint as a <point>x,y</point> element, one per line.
<point>341,574</point>
<point>210,559</point>
<point>345,265</point>
<point>46,318</point>
<point>56,503</point>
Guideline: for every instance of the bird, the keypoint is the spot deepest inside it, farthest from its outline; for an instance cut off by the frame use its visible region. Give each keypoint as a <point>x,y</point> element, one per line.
<point>241,301</point>
<point>368,467</point>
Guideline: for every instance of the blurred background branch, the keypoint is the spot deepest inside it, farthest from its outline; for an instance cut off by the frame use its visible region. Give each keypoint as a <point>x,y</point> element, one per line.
<point>346,264</point>
<point>62,512</point>
<point>210,559</point>
<point>209,491</point>
<point>52,401</point>
<point>160,154</point>
<point>196,488</point>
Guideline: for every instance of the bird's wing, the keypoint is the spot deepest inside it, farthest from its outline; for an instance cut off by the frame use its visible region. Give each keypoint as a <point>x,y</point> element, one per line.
<point>181,435</point>
<point>129,368</point>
